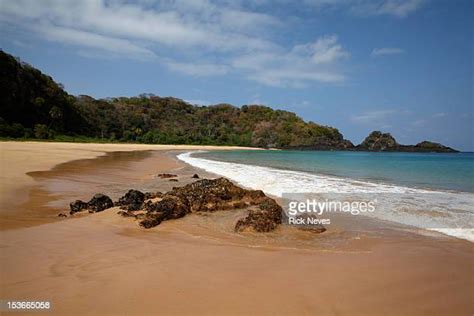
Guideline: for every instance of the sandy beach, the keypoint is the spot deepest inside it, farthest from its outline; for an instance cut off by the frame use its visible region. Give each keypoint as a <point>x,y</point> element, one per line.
<point>104,264</point>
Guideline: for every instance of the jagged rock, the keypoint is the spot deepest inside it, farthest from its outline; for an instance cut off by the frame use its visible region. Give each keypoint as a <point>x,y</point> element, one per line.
<point>152,220</point>
<point>153,195</point>
<point>170,206</point>
<point>77,206</point>
<point>378,141</point>
<point>99,202</point>
<point>132,200</point>
<point>195,176</point>
<point>210,195</point>
<point>167,175</point>
<point>201,196</point>
<point>265,219</point>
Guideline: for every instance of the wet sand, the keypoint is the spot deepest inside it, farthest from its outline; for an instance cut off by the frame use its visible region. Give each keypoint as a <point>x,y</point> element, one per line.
<point>103,264</point>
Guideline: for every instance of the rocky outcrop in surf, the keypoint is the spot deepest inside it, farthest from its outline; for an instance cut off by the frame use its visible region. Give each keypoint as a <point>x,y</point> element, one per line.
<point>203,196</point>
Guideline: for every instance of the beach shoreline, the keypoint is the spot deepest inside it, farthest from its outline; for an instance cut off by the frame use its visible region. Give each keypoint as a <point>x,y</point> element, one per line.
<point>105,264</point>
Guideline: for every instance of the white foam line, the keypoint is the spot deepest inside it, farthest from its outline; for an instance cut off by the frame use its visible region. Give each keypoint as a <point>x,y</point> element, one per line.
<point>277,181</point>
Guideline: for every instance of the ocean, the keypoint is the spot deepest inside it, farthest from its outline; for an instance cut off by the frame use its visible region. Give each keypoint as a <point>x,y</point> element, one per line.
<point>423,190</point>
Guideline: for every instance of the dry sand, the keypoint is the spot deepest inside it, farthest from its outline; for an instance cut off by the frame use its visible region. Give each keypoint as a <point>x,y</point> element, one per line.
<point>103,264</point>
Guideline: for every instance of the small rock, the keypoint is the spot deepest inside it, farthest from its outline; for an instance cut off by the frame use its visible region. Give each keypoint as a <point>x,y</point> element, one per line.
<point>62,215</point>
<point>167,175</point>
<point>195,176</point>
<point>132,200</point>
<point>77,206</point>
<point>173,180</point>
<point>99,202</point>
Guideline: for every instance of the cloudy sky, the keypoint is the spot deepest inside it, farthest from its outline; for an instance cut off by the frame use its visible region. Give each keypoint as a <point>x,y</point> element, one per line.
<point>401,66</point>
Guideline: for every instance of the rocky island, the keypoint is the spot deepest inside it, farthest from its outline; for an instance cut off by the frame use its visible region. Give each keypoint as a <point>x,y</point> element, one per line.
<point>378,141</point>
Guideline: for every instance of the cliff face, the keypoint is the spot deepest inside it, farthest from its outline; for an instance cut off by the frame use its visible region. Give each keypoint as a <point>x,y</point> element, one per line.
<point>378,141</point>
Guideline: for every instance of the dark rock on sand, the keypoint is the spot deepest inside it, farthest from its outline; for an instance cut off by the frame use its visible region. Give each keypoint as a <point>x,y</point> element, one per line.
<point>310,227</point>
<point>314,228</point>
<point>98,203</point>
<point>201,196</point>
<point>167,175</point>
<point>153,195</point>
<point>77,206</point>
<point>265,219</point>
<point>131,201</point>
<point>62,215</point>
<point>170,206</point>
<point>217,194</point>
<point>213,195</point>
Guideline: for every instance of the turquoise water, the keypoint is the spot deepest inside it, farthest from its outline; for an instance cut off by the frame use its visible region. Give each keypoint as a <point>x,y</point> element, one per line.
<point>420,170</point>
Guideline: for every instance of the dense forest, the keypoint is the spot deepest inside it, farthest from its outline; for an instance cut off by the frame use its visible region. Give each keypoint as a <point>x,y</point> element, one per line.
<point>33,105</point>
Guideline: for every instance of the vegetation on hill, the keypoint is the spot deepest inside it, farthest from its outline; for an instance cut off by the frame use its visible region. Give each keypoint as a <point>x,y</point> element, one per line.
<point>34,106</point>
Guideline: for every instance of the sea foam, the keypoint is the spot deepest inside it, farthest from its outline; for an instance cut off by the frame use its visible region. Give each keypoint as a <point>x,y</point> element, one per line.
<point>450,213</point>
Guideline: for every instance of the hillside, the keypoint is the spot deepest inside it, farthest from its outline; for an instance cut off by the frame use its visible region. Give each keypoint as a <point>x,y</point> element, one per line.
<point>33,105</point>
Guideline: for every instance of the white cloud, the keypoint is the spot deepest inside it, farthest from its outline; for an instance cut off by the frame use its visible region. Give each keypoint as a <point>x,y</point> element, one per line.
<point>386,51</point>
<point>372,116</point>
<point>296,68</point>
<point>325,50</point>
<point>198,69</point>
<point>81,38</point>
<point>187,36</point>
<point>397,8</point>
<point>173,24</point>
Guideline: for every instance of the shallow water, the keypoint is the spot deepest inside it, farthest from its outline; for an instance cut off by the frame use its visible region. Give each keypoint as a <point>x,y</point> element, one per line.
<point>447,211</point>
<point>421,170</point>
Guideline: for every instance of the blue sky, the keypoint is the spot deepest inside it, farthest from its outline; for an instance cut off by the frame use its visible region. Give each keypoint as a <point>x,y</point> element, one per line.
<point>400,66</point>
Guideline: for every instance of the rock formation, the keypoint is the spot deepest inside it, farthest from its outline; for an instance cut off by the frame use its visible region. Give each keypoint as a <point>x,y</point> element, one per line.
<point>264,213</point>
<point>98,203</point>
<point>378,141</point>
